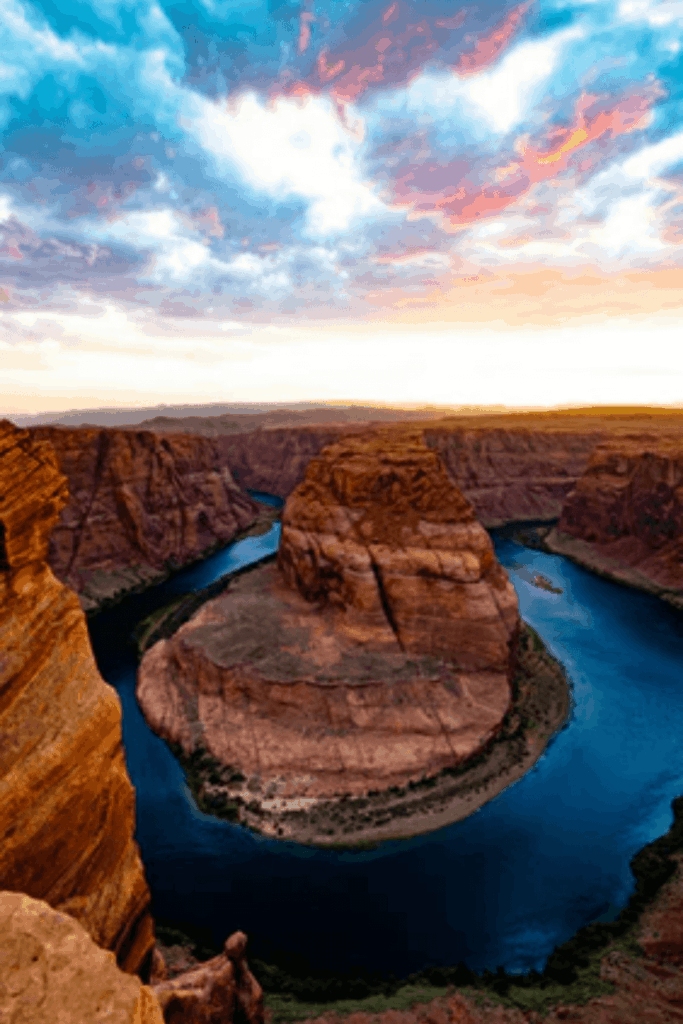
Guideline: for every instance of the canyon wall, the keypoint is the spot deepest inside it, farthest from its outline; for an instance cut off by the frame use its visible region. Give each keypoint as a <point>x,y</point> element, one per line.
<point>67,807</point>
<point>140,505</point>
<point>508,472</point>
<point>275,460</point>
<point>512,474</point>
<point>624,518</point>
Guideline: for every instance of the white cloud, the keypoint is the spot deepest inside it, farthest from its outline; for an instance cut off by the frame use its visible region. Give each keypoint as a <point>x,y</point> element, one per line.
<point>292,147</point>
<point>503,95</point>
<point>657,14</point>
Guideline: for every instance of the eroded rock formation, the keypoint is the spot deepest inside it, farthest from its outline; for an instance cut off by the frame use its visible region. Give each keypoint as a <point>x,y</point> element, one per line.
<point>624,518</point>
<point>52,971</point>
<point>378,530</point>
<point>378,651</point>
<point>274,460</point>
<point>66,802</point>
<point>217,991</point>
<point>140,504</point>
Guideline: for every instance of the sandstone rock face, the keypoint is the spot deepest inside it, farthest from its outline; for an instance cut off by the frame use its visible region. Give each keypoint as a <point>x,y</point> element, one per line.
<point>51,972</point>
<point>512,474</point>
<point>378,530</point>
<point>275,460</point>
<point>625,516</point>
<point>508,473</point>
<point>377,652</point>
<point>66,803</point>
<point>139,504</point>
<point>218,991</point>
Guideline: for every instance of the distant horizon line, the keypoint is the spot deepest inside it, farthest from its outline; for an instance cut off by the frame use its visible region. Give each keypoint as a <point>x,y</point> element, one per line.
<point>253,408</point>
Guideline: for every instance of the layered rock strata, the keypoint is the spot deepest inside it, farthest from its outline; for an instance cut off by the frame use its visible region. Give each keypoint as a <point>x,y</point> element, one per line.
<point>624,518</point>
<point>514,474</point>
<point>508,472</point>
<point>52,971</point>
<point>140,505</point>
<point>378,651</point>
<point>67,815</point>
<point>274,460</point>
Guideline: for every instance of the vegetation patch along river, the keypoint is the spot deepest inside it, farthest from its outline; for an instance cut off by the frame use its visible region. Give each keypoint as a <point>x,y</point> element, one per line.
<point>540,707</point>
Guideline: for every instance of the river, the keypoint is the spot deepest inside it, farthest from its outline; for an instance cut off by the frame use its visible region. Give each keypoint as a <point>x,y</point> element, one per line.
<point>504,886</point>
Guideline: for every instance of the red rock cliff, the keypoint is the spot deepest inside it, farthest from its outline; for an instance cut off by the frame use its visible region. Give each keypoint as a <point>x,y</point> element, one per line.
<point>517,473</point>
<point>67,807</point>
<point>139,504</point>
<point>625,516</point>
<point>508,472</point>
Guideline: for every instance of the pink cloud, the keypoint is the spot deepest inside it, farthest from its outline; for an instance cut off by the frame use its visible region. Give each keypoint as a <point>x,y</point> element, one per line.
<point>489,47</point>
<point>596,120</point>
<point>208,221</point>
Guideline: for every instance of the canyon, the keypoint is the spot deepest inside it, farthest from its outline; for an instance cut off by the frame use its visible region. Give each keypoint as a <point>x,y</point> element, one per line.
<point>509,471</point>
<point>378,652</point>
<point>136,512</point>
<point>67,807</point>
<point>140,506</point>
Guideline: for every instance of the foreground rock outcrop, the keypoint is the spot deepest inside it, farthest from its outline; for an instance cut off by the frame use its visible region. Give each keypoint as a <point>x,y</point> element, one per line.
<point>140,505</point>
<point>624,518</point>
<point>377,652</point>
<point>51,972</point>
<point>67,814</point>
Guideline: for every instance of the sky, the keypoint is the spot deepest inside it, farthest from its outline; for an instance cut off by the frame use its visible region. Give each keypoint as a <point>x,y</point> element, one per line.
<point>397,202</point>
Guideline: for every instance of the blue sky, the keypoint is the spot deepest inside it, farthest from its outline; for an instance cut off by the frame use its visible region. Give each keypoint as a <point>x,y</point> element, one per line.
<point>398,201</point>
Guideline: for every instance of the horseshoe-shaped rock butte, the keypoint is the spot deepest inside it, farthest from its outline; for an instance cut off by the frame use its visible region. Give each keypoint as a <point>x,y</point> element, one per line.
<point>375,653</point>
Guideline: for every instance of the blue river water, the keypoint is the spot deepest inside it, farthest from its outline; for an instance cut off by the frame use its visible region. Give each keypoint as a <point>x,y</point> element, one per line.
<point>503,887</point>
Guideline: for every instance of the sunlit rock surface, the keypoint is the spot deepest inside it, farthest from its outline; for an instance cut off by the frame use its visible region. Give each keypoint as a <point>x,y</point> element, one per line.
<point>67,807</point>
<point>51,972</point>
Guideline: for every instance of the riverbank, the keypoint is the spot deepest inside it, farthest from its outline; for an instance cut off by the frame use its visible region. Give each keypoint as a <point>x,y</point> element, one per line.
<point>602,563</point>
<point>540,707</point>
<point>546,537</point>
<point>606,973</point>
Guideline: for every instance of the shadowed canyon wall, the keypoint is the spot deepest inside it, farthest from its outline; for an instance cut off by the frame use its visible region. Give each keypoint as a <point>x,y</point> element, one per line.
<point>140,504</point>
<point>67,807</point>
<point>624,518</point>
<point>508,473</point>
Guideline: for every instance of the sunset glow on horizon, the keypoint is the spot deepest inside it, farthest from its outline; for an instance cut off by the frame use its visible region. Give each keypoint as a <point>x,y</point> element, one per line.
<point>310,200</point>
